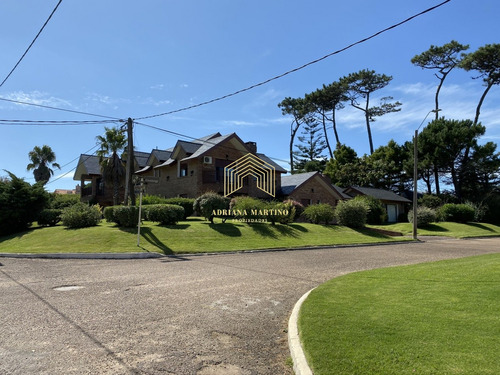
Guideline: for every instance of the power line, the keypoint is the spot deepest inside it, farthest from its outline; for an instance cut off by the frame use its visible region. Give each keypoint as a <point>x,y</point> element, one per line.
<point>54,122</point>
<point>31,44</point>
<point>71,170</point>
<point>59,109</point>
<point>197,139</point>
<point>295,69</point>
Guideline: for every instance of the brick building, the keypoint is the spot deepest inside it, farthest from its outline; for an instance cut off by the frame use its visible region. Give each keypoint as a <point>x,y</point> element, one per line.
<point>311,188</point>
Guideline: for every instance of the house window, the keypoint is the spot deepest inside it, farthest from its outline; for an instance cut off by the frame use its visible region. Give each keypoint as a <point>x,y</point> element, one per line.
<point>157,173</point>
<point>184,170</point>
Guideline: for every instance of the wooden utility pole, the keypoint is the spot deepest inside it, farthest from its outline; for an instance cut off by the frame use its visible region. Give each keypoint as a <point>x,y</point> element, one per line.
<point>129,184</point>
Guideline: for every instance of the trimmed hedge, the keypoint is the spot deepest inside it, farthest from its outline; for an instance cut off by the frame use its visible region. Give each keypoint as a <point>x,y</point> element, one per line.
<point>425,216</point>
<point>49,217</point>
<point>81,215</point>
<point>205,205</point>
<point>459,213</point>
<point>186,203</point>
<point>352,213</point>
<point>125,216</point>
<point>165,214</point>
<point>319,213</point>
<point>109,214</point>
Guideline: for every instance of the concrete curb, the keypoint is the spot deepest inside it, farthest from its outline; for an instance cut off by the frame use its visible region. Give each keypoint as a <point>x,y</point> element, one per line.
<point>150,255</point>
<point>300,365</point>
<point>83,255</point>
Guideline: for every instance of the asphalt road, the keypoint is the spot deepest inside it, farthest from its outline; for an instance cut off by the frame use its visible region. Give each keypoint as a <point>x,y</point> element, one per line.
<point>212,314</point>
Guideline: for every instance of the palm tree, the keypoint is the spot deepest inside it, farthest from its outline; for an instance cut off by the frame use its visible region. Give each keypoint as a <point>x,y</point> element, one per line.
<point>112,167</point>
<point>41,160</point>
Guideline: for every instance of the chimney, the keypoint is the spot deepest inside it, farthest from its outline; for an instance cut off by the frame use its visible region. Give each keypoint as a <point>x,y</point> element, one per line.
<point>252,146</point>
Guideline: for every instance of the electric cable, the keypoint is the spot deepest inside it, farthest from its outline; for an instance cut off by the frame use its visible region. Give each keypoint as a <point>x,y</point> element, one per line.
<point>295,69</point>
<point>197,139</point>
<point>54,122</point>
<point>59,109</point>
<point>31,44</point>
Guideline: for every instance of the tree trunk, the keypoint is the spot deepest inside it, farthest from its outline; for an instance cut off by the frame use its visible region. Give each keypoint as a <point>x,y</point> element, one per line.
<point>293,131</point>
<point>436,180</point>
<point>478,109</point>
<point>367,118</point>
<point>334,123</point>
<point>326,136</point>
<point>436,99</point>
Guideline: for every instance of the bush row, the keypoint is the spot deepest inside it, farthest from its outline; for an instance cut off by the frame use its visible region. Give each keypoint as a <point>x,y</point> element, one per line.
<point>128,216</point>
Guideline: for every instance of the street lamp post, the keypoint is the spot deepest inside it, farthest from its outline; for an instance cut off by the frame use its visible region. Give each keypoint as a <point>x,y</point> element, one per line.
<point>415,172</point>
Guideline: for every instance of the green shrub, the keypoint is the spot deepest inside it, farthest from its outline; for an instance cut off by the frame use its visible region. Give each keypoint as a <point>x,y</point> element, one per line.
<point>63,200</point>
<point>153,199</point>
<point>165,214</point>
<point>430,201</point>
<point>49,217</point>
<point>480,210</point>
<point>20,204</point>
<point>206,204</point>
<point>319,213</point>
<point>376,210</point>
<point>186,203</point>
<point>126,216</point>
<point>81,215</point>
<point>492,208</point>
<point>352,213</point>
<point>248,207</point>
<point>299,207</point>
<point>283,213</point>
<point>425,216</point>
<point>459,213</point>
<point>109,214</point>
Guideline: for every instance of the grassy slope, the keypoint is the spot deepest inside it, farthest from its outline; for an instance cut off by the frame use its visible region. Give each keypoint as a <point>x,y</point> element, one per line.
<point>435,318</point>
<point>190,236</point>
<point>446,229</point>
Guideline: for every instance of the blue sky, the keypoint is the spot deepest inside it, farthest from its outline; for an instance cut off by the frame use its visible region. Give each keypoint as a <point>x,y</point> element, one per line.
<point>133,59</point>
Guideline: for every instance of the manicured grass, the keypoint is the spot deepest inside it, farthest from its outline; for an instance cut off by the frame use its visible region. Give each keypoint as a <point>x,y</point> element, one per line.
<point>434,318</point>
<point>190,236</point>
<point>447,229</point>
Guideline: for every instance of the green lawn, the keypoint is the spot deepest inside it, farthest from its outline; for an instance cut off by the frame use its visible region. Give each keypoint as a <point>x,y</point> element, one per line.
<point>447,229</point>
<point>191,236</point>
<point>434,318</point>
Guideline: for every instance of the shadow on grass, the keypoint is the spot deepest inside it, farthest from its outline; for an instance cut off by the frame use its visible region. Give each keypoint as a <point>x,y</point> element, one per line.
<point>434,228</point>
<point>226,229</point>
<point>480,226</point>
<point>263,229</point>
<point>288,230</point>
<point>371,233</point>
<point>148,235</point>
<point>299,227</point>
<point>176,226</point>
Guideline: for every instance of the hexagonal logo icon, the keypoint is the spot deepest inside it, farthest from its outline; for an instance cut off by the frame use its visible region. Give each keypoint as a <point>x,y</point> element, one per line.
<point>249,165</point>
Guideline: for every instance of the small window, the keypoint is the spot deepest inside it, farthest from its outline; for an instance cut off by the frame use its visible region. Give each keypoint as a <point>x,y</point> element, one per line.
<point>184,170</point>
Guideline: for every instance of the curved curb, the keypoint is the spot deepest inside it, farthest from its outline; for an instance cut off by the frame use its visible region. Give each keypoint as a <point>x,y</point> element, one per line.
<point>300,365</point>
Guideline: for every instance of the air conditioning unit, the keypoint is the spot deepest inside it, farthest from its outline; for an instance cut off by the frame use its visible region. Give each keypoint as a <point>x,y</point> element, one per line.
<point>207,160</point>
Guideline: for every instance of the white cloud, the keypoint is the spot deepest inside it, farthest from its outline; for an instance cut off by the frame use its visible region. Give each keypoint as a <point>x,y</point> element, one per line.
<point>38,98</point>
<point>158,86</point>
